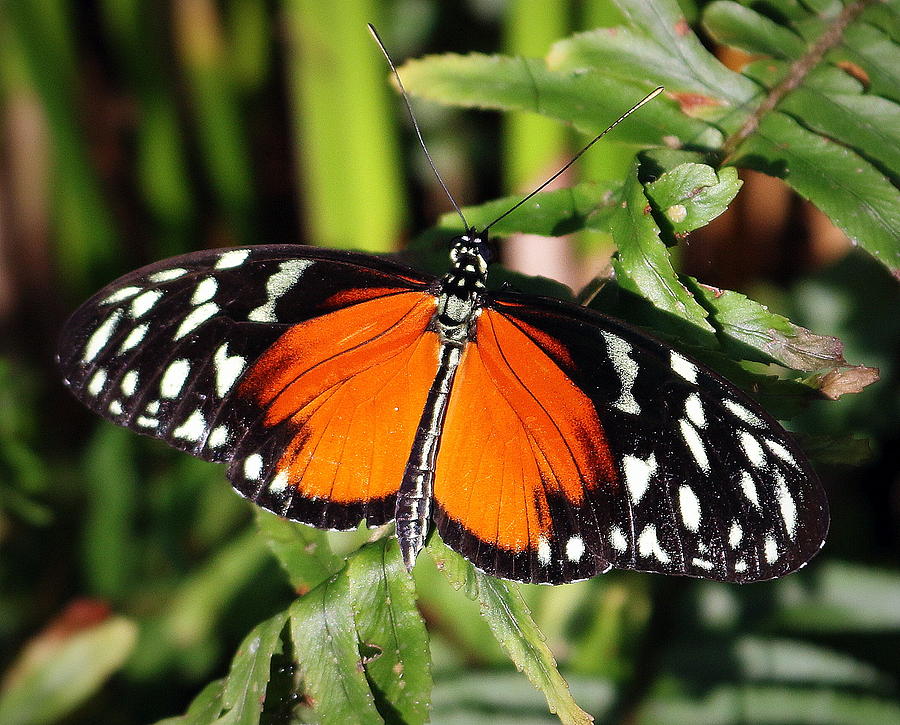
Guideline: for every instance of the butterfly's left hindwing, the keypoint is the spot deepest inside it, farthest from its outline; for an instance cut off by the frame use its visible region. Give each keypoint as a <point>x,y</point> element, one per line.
<point>165,351</point>
<point>702,482</point>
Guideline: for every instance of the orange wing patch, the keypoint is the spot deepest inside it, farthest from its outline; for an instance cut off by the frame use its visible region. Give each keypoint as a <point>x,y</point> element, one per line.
<point>518,431</point>
<point>353,382</point>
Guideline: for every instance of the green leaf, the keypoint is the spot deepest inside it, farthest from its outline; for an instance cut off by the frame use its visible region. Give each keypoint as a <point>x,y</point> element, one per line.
<point>239,698</point>
<point>327,652</point>
<point>691,195</point>
<point>857,197</point>
<point>872,50</point>
<point>302,551</point>
<point>509,619</point>
<point>589,101</point>
<point>549,213</point>
<point>361,644</point>
<point>245,688</point>
<point>60,670</point>
<point>868,123</point>
<point>657,47</point>
<point>764,335</point>
<point>643,265</point>
<point>389,627</point>
<point>748,330</point>
<point>733,24</point>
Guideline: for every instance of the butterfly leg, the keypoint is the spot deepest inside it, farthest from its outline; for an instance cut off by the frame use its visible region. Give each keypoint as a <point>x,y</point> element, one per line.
<point>413,512</point>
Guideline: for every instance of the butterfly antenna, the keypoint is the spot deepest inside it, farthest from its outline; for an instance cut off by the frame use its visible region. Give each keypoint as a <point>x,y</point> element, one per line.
<point>636,106</point>
<point>415,124</point>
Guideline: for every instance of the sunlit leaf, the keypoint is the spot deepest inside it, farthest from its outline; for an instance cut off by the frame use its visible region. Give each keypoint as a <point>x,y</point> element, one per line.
<point>360,642</point>
<point>302,551</point>
<point>589,101</point>
<point>643,265</point>
<point>733,24</point>
<point>691,195</point>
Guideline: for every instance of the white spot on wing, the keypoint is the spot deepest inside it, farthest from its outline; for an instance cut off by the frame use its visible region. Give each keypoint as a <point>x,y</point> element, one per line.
<point>626,368</point>
<point>152,407</point>
<point>770,549</point>
<point>689,506</point>
<point>684,367</point>
<point>638,473</point>
<point>543,551</point>
<point>232,258</point>
<point>218,437</point>
<point>228,369</point>
<point>694,409</point>
<point>146,422</point>
<point>97,382</point>
<point>97,341</point>
<point>754,451</point>
<point>779,450</point>
<point>648,545</point>
<point>191,429</point>
<point>144,302</point>
<point>786,504</point>
<point>167,274</point>
<point>253,467</point>
<point>174,378</point>
<point>134,338</point>
<point>618,540</point>
<point>575,548</point>
<point>748,486</point>
<point>694,444</point>
<point>739,411</point>
<point>119,295</point>
<point>276,286</point>
<point>280,482</point>
<point>702,563</point>
<point>195,318</point>
<point>129,383</point>
<point>740,566</point>
<point>115,407</point>
<point>204,291</point>
<point>735,534</point>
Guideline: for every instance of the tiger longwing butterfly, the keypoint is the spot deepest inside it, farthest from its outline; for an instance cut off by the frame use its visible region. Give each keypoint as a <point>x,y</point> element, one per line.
<point>546,442</point>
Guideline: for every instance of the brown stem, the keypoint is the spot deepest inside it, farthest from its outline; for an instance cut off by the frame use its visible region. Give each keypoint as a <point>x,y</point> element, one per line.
<point>798,71</point>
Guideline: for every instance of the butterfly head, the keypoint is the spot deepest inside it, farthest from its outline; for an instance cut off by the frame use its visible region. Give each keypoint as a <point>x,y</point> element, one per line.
<point>470,255</point>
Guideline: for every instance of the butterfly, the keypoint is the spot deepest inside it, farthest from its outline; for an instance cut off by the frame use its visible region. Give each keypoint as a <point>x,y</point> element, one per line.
<point>544,441</point>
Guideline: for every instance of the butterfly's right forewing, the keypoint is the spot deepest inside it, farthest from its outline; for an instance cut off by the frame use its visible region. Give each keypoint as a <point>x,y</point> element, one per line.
<point>164,350</point>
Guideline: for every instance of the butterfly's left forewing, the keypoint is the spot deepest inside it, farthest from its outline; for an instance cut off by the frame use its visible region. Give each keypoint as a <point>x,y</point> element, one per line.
<point>203,350</point>
<point>702,481</point>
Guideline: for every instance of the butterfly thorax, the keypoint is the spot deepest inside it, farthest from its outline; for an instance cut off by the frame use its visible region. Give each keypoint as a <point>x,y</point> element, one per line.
<point>462,287</point>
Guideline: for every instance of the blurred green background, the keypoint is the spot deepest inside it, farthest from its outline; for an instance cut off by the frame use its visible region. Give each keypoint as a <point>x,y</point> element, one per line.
<point>130,131</point>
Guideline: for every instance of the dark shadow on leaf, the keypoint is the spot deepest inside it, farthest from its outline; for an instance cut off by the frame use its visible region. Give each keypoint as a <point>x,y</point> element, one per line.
<point>771,167</point>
